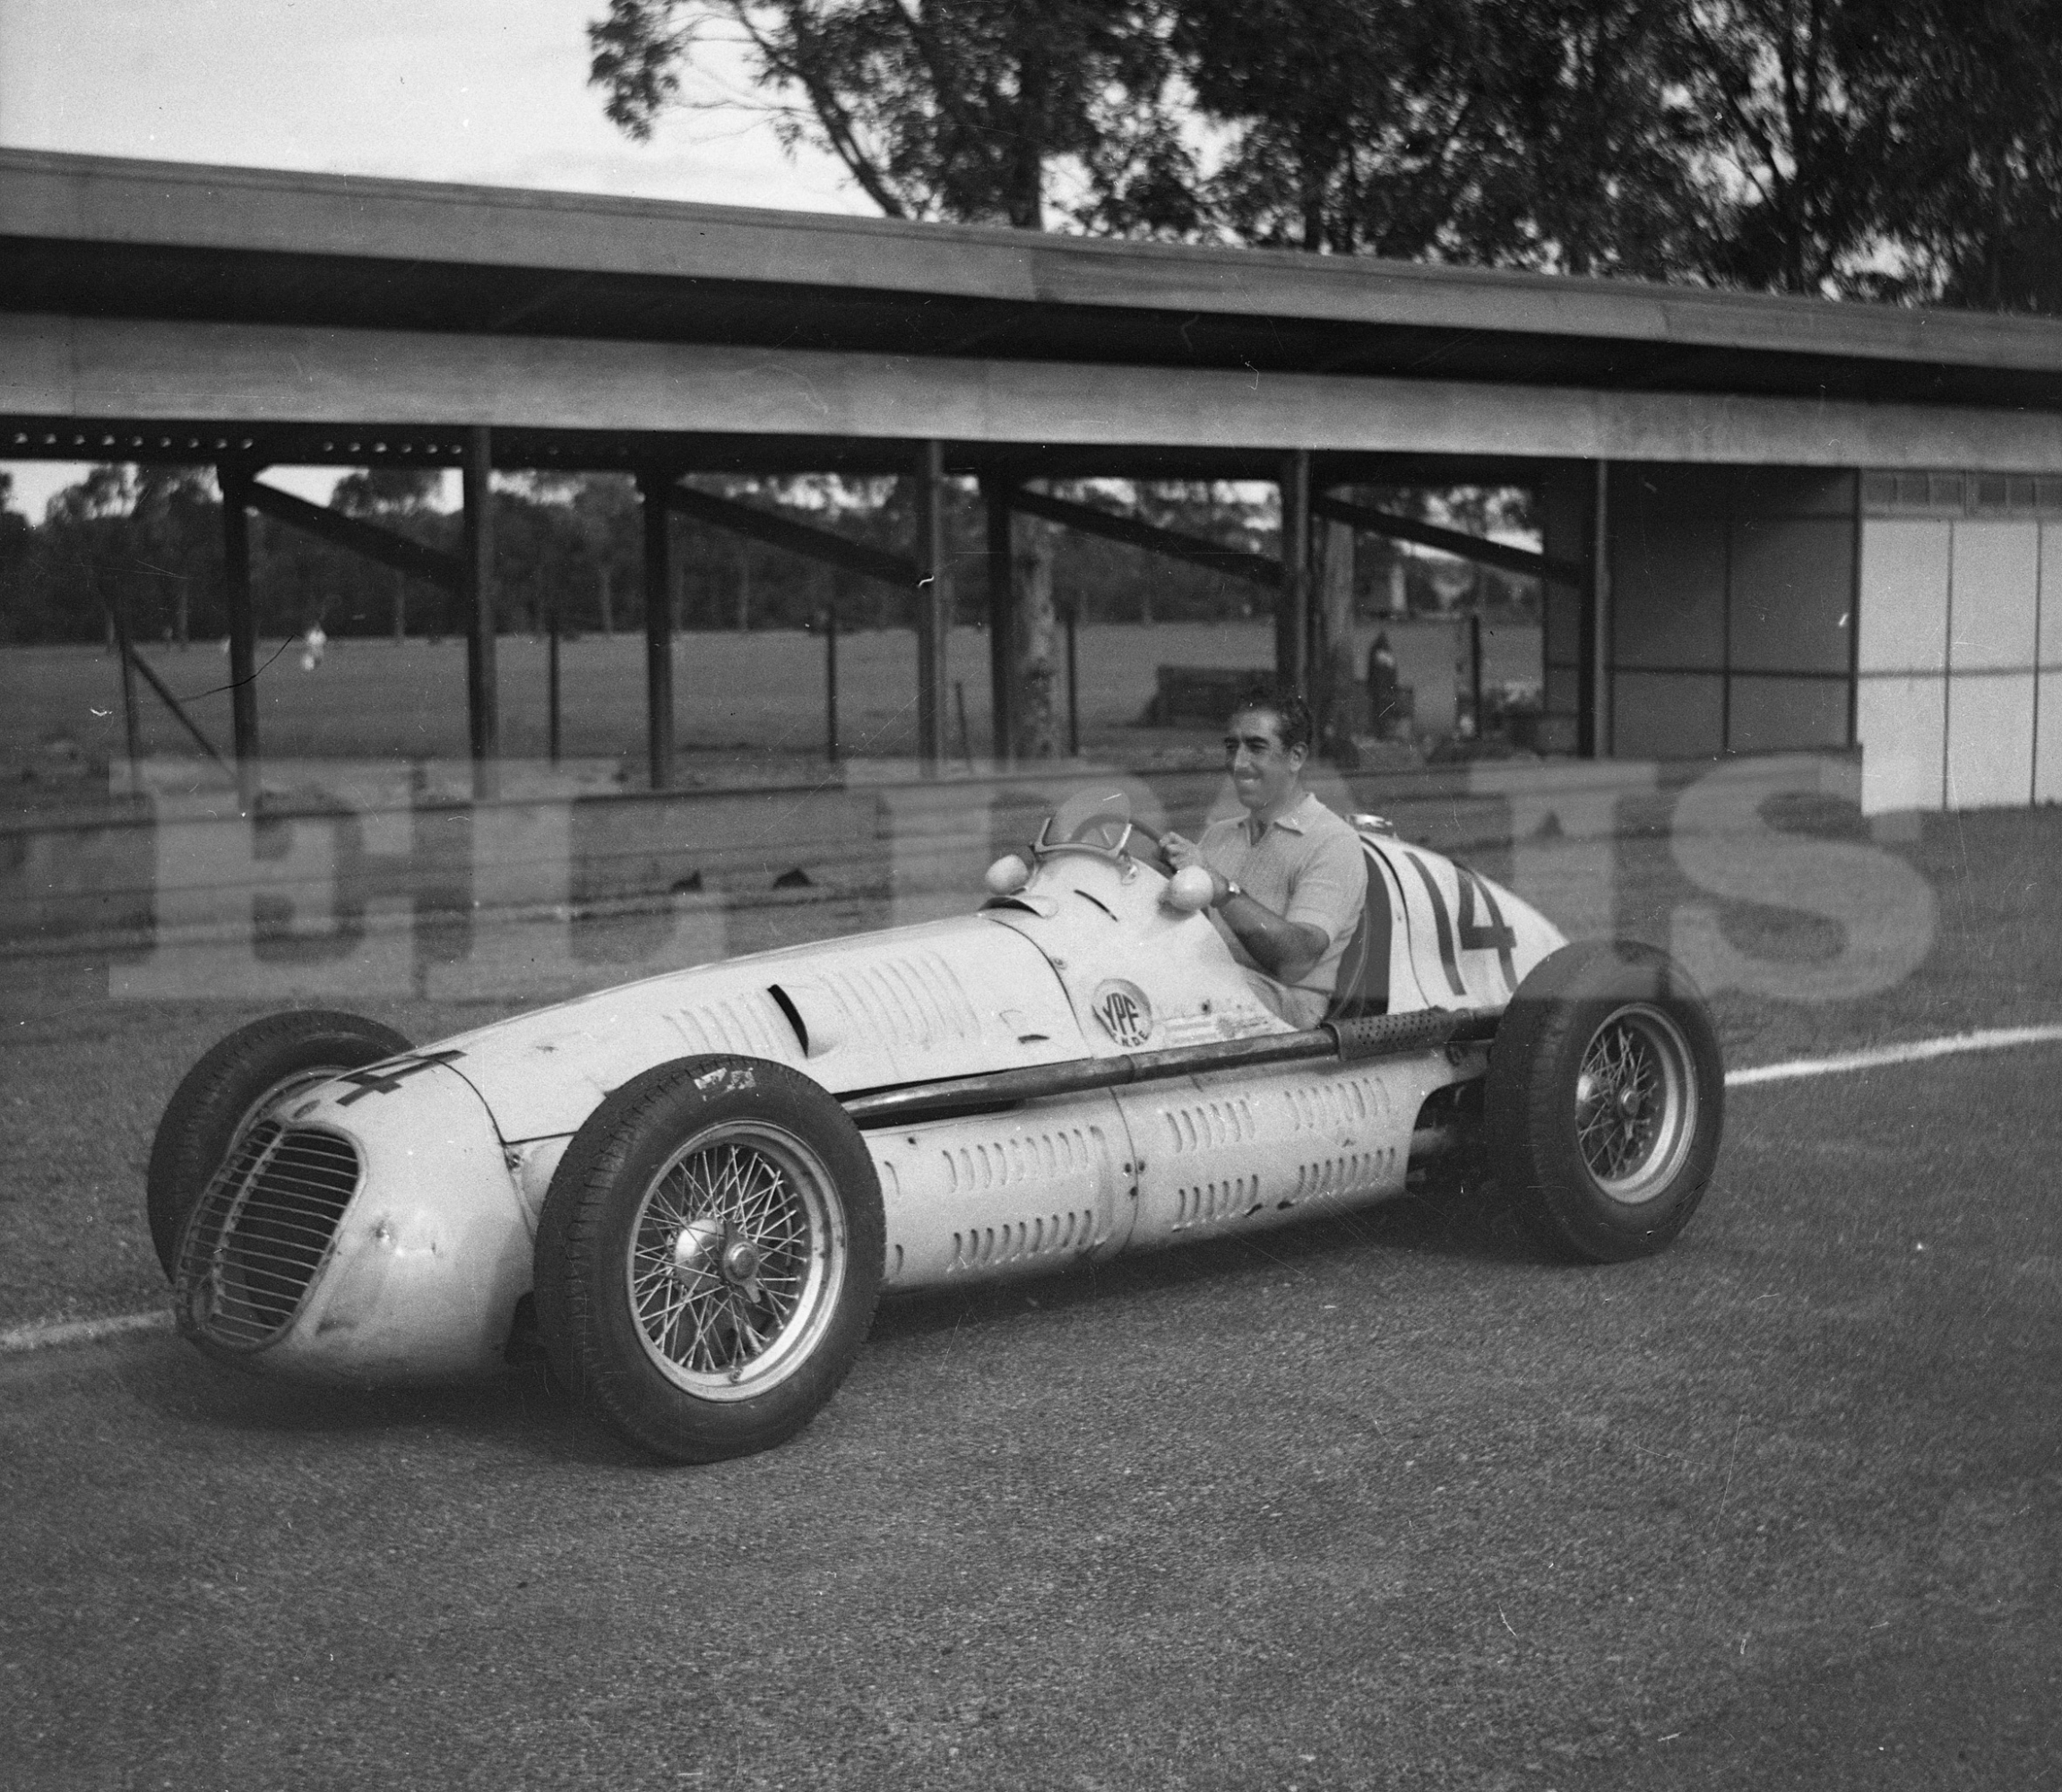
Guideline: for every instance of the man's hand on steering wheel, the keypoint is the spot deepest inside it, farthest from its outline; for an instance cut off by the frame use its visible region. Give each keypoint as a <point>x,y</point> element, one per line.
<point>1182,852</point>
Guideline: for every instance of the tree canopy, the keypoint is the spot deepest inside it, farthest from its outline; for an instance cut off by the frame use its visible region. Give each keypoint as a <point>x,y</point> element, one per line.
<point>960,112</point>
<point>1886,148</point>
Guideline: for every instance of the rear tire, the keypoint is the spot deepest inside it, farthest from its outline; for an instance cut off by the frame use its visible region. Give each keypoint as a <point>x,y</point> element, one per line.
<point>1606,1099</point>
<point>224,1092</point>
<point>709,1257</point>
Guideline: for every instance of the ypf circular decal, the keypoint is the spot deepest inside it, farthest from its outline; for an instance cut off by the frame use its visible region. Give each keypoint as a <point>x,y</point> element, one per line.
<point>1125,1014</point>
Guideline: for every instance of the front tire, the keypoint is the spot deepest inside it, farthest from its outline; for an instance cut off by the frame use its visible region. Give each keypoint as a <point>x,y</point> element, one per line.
<point>1606,1099</point>
<point>709,1257</point>
<point>227,1089</point>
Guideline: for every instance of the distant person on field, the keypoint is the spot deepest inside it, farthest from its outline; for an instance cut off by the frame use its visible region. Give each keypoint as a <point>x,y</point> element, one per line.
<point>311,645</point>
<point>1290,878</point>
<point>1383,688</point>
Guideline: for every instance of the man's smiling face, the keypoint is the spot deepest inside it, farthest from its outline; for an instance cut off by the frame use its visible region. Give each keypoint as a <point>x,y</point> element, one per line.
<point>1264,772</point>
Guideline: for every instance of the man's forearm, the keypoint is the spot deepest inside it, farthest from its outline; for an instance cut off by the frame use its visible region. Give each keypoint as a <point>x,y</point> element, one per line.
<point>1282,948</point>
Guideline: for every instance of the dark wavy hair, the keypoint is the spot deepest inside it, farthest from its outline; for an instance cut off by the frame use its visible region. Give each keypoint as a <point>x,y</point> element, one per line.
<point>1295,725</point>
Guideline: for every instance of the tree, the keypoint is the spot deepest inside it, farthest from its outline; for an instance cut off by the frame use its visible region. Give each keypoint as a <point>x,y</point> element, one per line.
<point>1598,141</point>
<point>17,544</point>
<point>386,491</point>
<point>143,538</point>
<point>1802,136</point>
<point>1553,135</point>
<point>1979,154</point>
<point>959,112</point>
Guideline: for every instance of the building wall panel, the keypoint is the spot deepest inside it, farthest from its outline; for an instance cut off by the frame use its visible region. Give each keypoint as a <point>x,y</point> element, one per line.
<point>1667,591</point>
<point>1786,715</point>
<point>1901,722</point>
<point>1995,581</point>
<point>1989,741</point>
<point>1903,597</point>
<point>1795,491</point>
<point>2048,598</point>
<point>1660,715</point>
<point>2048,740</point>
<point>1792,591</point>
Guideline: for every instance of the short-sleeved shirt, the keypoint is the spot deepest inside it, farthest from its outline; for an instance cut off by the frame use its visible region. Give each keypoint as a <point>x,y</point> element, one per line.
<point>1307,866</point>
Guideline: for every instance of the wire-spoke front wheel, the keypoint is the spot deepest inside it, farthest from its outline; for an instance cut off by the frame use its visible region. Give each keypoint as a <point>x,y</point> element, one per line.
<point>735,1260</point>
<point>709,1256</point>
<point>1606,1097</point>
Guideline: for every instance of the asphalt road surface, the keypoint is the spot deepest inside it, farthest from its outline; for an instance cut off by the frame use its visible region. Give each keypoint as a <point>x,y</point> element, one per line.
<point>1392,1501</point>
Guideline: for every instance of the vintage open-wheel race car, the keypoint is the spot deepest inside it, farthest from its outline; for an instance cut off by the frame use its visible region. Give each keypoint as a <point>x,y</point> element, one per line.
<point>696,1187</point>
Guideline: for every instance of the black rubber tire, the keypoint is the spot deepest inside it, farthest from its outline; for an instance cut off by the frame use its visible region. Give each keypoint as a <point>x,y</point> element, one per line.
<point>1609,995</point>
<point>609,1356</point>
<point>210,1106</point>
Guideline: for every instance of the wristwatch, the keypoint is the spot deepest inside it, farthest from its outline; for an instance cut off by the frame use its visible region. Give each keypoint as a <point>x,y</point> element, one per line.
<point>1231,889</point>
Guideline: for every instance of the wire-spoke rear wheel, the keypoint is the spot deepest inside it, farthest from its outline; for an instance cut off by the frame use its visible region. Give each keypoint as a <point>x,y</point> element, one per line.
<point>1636,1103</point>
<point>1605,1097</point>
<point>709,1257</point>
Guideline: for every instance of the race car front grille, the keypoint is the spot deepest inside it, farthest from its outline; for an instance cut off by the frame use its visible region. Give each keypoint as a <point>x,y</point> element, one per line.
<point>262,1231</point>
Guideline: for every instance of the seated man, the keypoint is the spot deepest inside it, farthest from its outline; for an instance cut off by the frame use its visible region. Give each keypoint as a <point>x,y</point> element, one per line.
<point>1289,875</point>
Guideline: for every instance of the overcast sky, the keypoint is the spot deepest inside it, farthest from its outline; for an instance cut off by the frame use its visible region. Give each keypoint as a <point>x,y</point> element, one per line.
<point>487,90</point>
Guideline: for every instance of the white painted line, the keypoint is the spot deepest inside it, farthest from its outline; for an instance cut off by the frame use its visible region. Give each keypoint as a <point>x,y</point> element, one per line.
<point>1913,1051</point>
<point>47,1335</point>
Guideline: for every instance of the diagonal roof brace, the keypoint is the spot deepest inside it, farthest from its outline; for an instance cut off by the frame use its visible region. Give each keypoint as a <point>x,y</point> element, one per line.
<point>796,538</point>
<point>383,544</point>
<point>1090,520</point>
<point>1463,547</point>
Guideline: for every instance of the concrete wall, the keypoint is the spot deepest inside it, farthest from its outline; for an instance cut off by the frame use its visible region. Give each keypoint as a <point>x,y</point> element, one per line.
<point>1960,651</point>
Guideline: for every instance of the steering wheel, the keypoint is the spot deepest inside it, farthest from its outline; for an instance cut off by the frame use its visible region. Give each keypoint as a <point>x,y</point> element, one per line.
<point>1110,833</point>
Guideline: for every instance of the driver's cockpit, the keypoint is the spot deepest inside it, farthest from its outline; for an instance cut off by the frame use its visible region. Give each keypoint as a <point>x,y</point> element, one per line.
<point>1085,862</point>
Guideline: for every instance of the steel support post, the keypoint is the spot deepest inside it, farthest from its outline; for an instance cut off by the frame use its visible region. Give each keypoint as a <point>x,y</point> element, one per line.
<point>1292,618</point>
<point>933,603</point>
<point>832,751</point>
<point>1073,681</point>
<point>1593,726</point>
<point>235,482</point>
<point>658,627</point>
<point>1001,620</point>
<point>552,678</point>
<point>131,722</point>
<point>483,715</point>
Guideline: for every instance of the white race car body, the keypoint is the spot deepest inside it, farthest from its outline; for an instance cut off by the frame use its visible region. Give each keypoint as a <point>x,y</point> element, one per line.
<point>435,1165</point>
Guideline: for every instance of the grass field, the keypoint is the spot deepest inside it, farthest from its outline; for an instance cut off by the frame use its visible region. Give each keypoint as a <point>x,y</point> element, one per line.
<point>737,696</point>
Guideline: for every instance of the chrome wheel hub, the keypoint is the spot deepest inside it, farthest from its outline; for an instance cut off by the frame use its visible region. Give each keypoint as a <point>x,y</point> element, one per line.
<point>696,1248</point>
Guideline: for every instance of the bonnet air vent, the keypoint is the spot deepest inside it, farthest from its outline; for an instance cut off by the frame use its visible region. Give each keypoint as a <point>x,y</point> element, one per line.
<point>785,1003</point>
